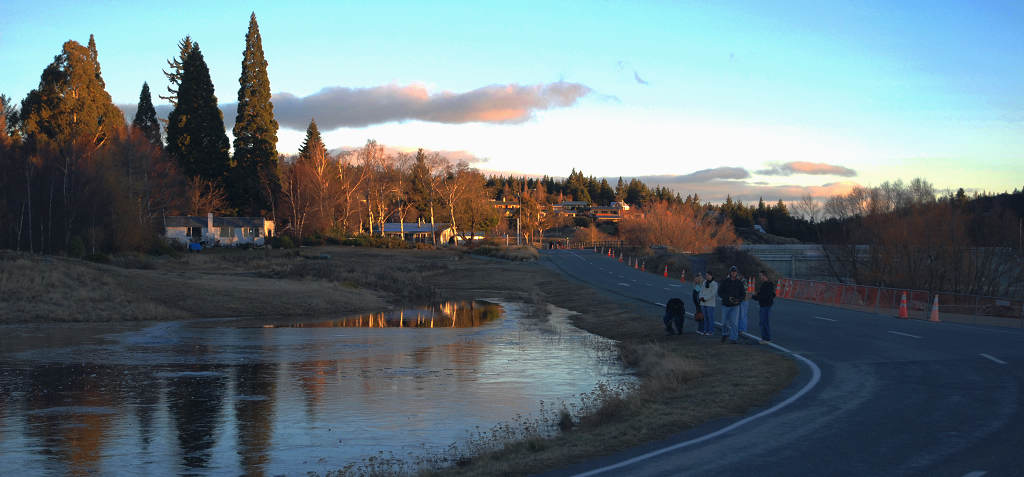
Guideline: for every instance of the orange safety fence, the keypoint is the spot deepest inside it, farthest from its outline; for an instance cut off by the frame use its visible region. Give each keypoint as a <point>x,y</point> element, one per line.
<point>883,300</point>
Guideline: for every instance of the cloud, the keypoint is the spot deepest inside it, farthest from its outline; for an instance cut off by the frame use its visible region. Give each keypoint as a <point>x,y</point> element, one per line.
<point>638,79</point>
<point>810,168</point>
<point>452,155</point>
<point>746,191</point>
<point>704,175</point>
<point>336,107</point>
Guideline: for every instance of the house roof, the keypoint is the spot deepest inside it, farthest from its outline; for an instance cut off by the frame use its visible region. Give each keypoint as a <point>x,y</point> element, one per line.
<point>200,221</point>
<point>413,227</point>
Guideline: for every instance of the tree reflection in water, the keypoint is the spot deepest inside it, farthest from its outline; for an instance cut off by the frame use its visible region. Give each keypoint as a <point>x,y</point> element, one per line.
<point>451,314</point>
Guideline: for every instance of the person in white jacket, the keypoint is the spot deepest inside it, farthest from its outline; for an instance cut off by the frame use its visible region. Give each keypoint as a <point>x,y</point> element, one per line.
<point>708,295</point>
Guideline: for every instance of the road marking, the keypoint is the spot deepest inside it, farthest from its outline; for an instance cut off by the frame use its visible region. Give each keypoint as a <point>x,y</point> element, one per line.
<point>977,473</point>
<point>668,289</point>
<point>659,304</point>
<point>634,280</point>
<point>677,286</point>
<point>623,284</point>
<point>815,377</point>
<point>905,334</point>
<point>822,318</point>
<point>993,358</point>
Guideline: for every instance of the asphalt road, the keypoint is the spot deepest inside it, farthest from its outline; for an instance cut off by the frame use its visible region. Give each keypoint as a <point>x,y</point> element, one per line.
<point>895,397</point>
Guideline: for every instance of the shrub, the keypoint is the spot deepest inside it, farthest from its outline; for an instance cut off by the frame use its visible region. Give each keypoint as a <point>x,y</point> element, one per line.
<point>77,247</point>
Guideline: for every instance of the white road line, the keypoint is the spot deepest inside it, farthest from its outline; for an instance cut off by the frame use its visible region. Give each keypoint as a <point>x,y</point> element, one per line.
<point>822,318</point>
<point>623,284</point>
<point>659,304</point>
<point>688,313</point>
<point>905,334</point>
<point>677,286</point>
<point>668,289</point>
<point>993,358</point>
<point>815,377</point>
<point>977,473</point>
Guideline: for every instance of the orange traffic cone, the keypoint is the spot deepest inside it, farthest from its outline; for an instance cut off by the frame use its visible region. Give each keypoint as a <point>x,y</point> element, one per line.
<point>666,272</point>
<point>903,306</point>
<point>620,257</point>
<point>682,276</point>
<point>935,310</point>
<point>643,266</point>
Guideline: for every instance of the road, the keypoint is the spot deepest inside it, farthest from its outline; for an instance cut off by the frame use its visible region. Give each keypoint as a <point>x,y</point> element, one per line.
<point>895,397</point>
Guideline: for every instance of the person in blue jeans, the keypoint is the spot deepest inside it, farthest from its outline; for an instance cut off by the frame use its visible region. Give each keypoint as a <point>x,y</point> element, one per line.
<point>765,298</point>
<point>708,295</point>
<point>731,291</point>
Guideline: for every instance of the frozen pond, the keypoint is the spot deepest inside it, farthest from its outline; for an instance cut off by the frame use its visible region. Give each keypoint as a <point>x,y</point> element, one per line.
<point>230,397</point>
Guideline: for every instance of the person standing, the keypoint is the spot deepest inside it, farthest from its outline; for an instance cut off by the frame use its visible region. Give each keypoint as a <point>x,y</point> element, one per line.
<point>731,292</point>
<point>742,322</point>
<point>708,295</point>
<point>698,284</point>
<point>765,298</point>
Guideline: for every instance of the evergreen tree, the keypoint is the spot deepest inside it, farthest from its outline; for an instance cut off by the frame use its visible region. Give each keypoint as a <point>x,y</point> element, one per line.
<point>95,60</point>
<point>71,102</point>
<point>72,116</point>
<point>177,66</point>
<point>313,142</point>
<point>195,127</point>
<point>422,194</point>
<point>145,118</point>
<point>254,178</point>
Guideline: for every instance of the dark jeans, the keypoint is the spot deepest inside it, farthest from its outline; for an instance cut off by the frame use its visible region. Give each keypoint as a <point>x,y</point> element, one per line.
<point>766,328</point>
<point>676,321</point>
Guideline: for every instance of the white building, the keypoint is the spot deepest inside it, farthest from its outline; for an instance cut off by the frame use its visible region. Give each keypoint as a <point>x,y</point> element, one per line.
<point>222,231</point>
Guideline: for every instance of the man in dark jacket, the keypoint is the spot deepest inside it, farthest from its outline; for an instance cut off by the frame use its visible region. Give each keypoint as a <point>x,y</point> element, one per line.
<point>675,314</point>
<point>765,297</point>
<point>731,291</point>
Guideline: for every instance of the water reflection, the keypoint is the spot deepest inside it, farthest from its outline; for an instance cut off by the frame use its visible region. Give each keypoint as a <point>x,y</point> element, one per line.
<point>182,399</point>
<point>444,315</point>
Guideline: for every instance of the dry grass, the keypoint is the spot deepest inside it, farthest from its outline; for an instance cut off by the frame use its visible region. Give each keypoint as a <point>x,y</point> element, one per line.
<point>517,254</point>
<point>34,289</point>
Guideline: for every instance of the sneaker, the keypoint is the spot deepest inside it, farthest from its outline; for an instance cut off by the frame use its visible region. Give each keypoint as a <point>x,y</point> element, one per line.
<point>700,333</point>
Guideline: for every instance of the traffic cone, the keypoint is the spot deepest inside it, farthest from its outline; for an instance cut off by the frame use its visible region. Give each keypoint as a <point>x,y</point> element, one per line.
<point>666,272</point>
<point>682,276</point>
<point>620,257</point>
<point>643,266</point>
<point>903,306</point>
<point>935,310</point>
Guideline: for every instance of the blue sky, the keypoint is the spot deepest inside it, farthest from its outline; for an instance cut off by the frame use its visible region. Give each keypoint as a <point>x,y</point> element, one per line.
<point>817,96</point>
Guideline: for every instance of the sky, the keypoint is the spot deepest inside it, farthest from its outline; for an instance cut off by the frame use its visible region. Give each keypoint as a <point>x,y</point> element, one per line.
<point>748,99</point>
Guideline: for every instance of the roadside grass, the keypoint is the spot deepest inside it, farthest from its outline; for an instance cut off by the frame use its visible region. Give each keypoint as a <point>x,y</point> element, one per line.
<point>524,253</point>
<point>52,289</point>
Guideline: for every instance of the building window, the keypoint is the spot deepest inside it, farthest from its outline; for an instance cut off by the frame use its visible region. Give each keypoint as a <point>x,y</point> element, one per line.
<point>227,232</point>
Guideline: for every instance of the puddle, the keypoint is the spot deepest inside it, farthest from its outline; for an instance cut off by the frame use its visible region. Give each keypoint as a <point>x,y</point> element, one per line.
<point>224,399</point>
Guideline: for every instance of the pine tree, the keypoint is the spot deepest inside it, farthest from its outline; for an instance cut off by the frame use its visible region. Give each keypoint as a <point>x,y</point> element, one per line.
<point>95,60</point>
<point>195,127</point>
<point>177,66</point>
<point>71,102</point>
<point>254,180</point>
<point>313,143</point>
<point>71,115</point>
<point>145,118</point>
